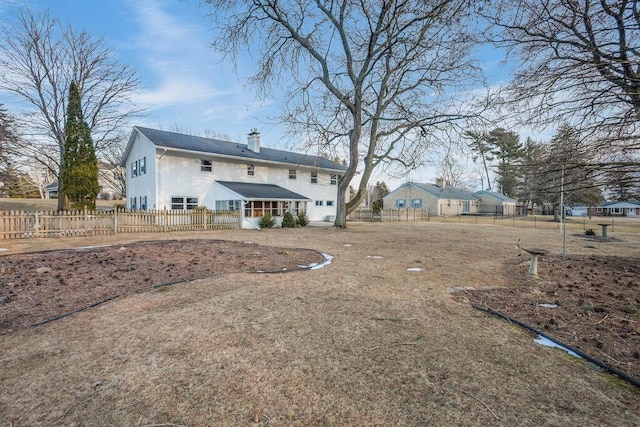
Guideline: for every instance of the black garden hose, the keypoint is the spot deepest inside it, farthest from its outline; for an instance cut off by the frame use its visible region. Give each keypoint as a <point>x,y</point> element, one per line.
<point>595,361</point>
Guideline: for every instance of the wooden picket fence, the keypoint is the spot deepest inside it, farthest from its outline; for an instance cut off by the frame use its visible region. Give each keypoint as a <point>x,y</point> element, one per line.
<point>25,225</point>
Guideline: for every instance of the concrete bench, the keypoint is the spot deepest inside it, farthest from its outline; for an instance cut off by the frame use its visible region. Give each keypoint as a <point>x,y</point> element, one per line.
<point>535,253</point>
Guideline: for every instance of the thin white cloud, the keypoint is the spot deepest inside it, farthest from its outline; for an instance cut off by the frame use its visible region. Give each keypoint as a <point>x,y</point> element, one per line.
<point>178,63</point>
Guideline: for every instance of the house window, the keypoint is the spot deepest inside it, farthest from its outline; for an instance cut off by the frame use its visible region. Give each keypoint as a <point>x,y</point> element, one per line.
<point>292,174</point>
<point>257,208</point>
<point>616,211</point>
<point>251,170</point>
<point>401,203</point>
<point>334,179</point>
<point>314,177</point>
<point>143,166</point>
<point>416,203</point>
<point>228,205</point>
<point>205,166</point>
<point>183,203</point>
<point>319,203</point>
<point>143,203</point>
<point>134,168</point>
<point>599,210</point>
<point>132,202</point>
<point>329,202</point>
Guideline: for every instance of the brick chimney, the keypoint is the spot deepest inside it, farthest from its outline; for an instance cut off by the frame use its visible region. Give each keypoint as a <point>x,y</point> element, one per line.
<point>253,141</point>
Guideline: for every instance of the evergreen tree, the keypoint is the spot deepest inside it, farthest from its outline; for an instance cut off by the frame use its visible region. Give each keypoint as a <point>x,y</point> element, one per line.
<point>377,193</point>
<point>565,168</point>
<point>79,169</point>
<point>480,150</point>
<point>528,171</point>
<point>506,147</point>
<point>8,136</point>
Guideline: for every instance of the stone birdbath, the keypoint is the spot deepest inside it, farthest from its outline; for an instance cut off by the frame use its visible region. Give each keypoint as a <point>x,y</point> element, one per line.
<point>535,253</point>
<point>604,230</point>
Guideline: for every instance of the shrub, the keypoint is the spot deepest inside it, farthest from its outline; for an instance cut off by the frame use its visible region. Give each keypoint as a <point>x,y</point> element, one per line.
<point>303,219</point>
<point>589,232</point>
<point>288,221</point>
<point>267,221</point>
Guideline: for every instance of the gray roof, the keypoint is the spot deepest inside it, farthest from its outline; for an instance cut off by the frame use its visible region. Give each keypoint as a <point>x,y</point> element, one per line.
<point>493,194</point>
<point>180,141</point>
<point>262,191</point>
<point>446,192</point>
<point>620,204</point>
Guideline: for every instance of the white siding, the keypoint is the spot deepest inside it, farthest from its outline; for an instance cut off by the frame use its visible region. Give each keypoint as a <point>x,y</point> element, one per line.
<point>143,184</point>
<point>181,176</point>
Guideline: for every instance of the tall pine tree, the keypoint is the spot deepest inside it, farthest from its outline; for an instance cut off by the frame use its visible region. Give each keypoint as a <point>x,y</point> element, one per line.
<point>79,174</point>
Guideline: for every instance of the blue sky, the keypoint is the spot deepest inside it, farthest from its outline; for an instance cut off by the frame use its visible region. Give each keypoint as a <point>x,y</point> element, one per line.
<point>184,85</point>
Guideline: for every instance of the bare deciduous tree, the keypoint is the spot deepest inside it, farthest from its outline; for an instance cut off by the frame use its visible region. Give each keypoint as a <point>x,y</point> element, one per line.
<point>373,82</point>
<point>579,64</point>
<point>39,58</point>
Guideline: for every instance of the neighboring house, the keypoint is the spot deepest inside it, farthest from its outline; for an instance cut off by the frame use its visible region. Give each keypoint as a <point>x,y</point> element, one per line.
<point>167,170</point>
<point>495,203</point>
<point>622,208</point>
<point>437,199</point>
<point>577,210</point>
<point>108,176</point>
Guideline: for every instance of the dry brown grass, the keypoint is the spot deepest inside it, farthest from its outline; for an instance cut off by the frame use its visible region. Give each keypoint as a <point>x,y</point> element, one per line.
<point>360,342</point>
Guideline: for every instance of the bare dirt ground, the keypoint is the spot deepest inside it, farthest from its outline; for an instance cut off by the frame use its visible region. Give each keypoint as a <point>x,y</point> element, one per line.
<point>375,338</point>
<point>588,302</point>
<point>44,285</point>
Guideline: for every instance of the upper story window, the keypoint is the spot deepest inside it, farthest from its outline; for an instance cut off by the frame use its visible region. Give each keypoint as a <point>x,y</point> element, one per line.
<point>314,177</point>
<point>401,203</point>
<point>334,179</point>
<point>292,174</point>
<point>205,166</point>
<point>251,170</point>
<point>139,167</point>
<point>416,203</point>
<point>319,203</point>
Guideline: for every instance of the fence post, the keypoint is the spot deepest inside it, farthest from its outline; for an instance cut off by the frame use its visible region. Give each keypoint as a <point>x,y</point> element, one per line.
<point>115,221</point>
<point>164,220</point>
<point>36,225</point>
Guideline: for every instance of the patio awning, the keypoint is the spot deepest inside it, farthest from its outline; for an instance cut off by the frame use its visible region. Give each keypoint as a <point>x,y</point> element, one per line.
<point>250,191</point>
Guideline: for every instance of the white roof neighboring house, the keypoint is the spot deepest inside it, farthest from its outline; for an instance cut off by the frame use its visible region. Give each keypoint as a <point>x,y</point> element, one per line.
<point>177,171</point>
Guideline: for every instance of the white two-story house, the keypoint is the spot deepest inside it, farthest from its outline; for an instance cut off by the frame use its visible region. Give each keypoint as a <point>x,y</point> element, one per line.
<point>167,170</point>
